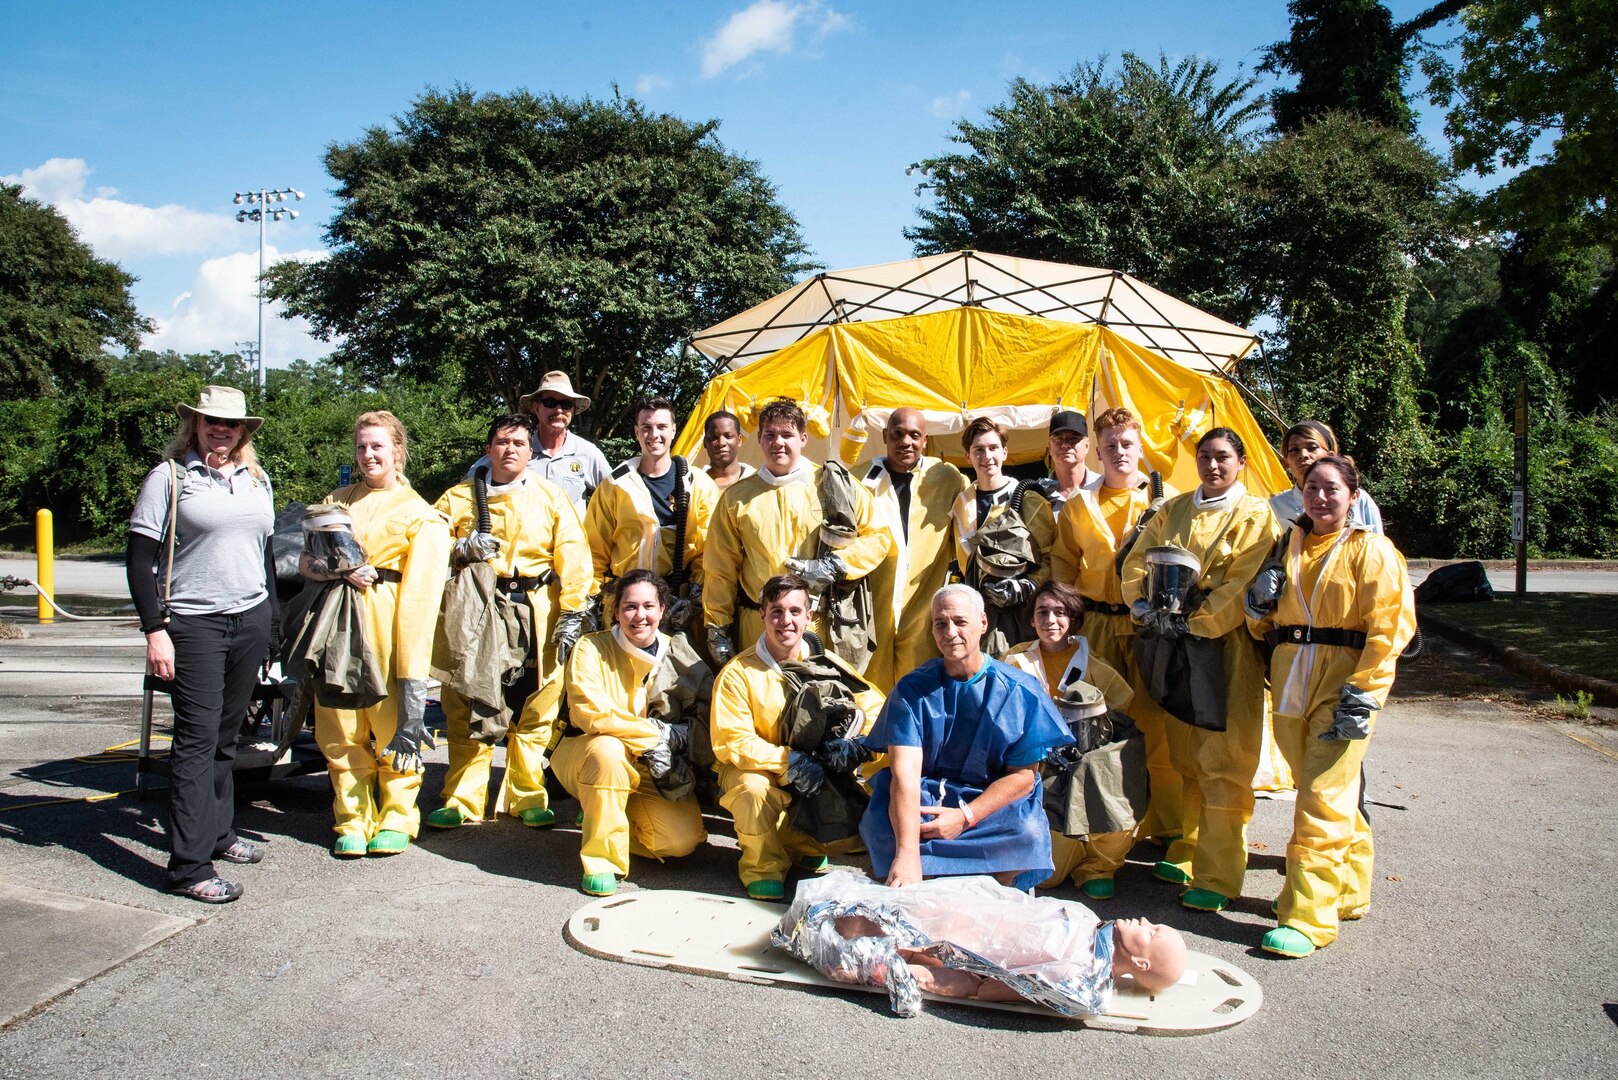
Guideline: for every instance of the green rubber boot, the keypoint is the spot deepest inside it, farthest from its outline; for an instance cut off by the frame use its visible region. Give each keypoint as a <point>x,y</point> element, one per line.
<point>1285,941</point>
<point>1101,888</point>
<point>387,842</point>
<point>814,864</point>
<point>1204,900</point>
<point>600,884</point>
<point>349,846</point>
<point>537,817</point>
<point>767,890</point>
<point>446,817</point>
<point>1167,871</point>
<point>578,820</point>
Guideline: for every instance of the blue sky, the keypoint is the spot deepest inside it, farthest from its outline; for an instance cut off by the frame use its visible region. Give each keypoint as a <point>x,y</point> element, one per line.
<point>140,122</point>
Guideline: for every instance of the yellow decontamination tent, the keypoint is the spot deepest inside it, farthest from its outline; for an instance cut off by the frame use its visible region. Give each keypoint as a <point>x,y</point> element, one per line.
<point>958,353</point>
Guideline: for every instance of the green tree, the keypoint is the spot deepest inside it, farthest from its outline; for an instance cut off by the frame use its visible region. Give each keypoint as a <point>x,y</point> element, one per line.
<point>1125,169</point>
<point>60,306</point>
<point>508,235</point>
<point>1531,72</point>
<point>1348,56</point>
<point>1339,216</point>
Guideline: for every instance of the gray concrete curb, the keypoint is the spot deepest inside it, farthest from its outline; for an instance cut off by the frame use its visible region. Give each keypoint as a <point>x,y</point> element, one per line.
<point>1603,691</point>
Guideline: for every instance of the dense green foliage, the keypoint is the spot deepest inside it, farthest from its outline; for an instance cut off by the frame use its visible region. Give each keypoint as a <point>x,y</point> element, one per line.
<point>59,304</point>
<point>509,235</point>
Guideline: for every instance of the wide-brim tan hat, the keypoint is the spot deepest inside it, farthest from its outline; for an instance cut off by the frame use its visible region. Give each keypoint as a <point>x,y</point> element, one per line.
<point>556,382</point>
<point>222,403</point>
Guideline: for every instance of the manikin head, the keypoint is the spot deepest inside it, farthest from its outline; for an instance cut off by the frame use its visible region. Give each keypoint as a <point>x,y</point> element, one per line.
<point>905,437</point>
<point>959,623</point>
<point>642,595</point>
<point>722,437</point>
<point>1220,458</point>
<point>1152,953</point>
<point>510,447</point>
<point>654,431</point>
<point>785,603</point>
<point>782,435</point>
<point>380,448</point>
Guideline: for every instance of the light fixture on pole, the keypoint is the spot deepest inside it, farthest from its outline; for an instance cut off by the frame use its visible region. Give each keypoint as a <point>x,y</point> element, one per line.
<point>260,201</point>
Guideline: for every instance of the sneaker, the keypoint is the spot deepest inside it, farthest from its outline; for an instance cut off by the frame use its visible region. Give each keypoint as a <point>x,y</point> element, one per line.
<point>1101,888</point>
<point>215,890</point>
<point>537,817</point>
<point>767,890</point>
<point>814,864</point>
<point>599,884</point>
<point>387,842</point>
<point>349,846</point>
<point>241,852</point>
<point>1167,871</point>
<point>446,817</point>
<point>1204,900</point>
<point>1285,941</point>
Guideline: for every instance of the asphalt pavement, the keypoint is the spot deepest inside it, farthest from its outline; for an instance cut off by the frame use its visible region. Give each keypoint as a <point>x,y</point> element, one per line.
<point>1488,950</point>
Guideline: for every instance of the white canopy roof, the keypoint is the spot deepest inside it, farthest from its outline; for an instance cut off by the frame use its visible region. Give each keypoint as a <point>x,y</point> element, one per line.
<point>1083,294</point>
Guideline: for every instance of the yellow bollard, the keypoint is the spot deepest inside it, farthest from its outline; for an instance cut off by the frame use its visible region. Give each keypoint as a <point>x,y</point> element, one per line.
<point>45,577</point>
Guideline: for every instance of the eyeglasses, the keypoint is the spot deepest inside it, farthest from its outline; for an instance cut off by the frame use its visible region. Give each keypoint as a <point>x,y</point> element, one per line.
<point>216,421</point>
<point>556,402</point>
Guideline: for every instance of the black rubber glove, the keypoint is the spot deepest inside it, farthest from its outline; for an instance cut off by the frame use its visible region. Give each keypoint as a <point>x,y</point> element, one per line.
<point>843,755</point>
<point>1352,717</point>
<point>720,647</point>
<point>1008,592</point>
<point>821,573</point>
<point>569,628</point>
<point>804,774</point>
<point>1265,592</point>
<point>403,752</point>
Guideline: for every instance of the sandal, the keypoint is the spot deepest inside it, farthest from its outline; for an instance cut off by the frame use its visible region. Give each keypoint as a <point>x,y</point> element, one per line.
<point>215,890</point>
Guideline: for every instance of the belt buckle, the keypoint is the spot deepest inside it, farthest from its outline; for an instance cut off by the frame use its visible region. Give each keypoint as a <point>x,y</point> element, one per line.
<point>1298,633</point>
<point>514,585</point>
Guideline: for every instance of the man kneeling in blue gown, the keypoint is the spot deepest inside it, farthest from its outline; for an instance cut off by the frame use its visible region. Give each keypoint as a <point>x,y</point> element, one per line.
<point>964,735</point>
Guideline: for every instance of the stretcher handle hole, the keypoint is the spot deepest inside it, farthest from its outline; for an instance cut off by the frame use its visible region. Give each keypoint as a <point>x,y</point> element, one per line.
<point>618,903</point>
<point>1227,976</point>
<point>1229,1005</point>
<point>592,923</point>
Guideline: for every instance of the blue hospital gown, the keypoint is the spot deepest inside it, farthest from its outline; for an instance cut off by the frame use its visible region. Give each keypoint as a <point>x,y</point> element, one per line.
<point>971,733</point>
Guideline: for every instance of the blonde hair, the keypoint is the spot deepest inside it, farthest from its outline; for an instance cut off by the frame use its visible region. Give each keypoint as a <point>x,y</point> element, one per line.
<point>185,441</point>
<point>1117,417</point>
<point>385,420</point>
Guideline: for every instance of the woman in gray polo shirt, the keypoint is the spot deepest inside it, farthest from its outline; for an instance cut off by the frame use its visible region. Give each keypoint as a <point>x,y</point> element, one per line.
<point>208,621</point>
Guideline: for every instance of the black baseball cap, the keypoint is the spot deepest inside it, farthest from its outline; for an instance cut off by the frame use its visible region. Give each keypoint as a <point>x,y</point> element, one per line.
<point>1070,420</point>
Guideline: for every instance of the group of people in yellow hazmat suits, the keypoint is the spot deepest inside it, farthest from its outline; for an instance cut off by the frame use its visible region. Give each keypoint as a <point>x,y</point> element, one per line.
<point>724,600</point>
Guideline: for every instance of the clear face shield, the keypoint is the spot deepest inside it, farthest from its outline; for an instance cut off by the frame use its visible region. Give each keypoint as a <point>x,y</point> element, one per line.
<point>1084,711</point>
<point>328,538</point>
<point>1171,575</point>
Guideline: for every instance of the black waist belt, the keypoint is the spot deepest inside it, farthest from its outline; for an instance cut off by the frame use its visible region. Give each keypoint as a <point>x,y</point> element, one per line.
<point>389,575</point>
<point>1105,608</point>
<point>520,584</point>
<point>1315,635</point>
<point>745,601</point>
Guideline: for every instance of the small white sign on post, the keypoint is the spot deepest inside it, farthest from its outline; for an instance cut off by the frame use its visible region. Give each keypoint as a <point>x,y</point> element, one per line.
<point>1519,527</point>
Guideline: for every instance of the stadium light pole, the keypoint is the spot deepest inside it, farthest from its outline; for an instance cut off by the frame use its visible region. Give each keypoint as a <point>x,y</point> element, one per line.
<point>260,201</point>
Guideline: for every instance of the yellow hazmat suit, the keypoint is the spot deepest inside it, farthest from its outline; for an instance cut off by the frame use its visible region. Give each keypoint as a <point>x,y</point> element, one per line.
<point>1098,855</point>
<point>903,586</point>
<point>749,741</point>
<point>1089,531</point>
<point>1348,580</point>
<point>1013,624</point>
<point>1231,536</point>
<point>539,535</point>
<point>402,536</point>
<point>623,528</point>
<point>761,521</point>
<point>607,681</point>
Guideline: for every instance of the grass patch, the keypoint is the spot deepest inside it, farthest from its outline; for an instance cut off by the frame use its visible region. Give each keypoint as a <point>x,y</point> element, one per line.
<point>1574,630</point>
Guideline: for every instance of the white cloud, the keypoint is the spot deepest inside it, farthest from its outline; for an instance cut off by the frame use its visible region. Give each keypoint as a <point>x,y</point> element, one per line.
<point>647,85</point>
<point>120,230</point>
<point>221,309</point>
<point>949,106</point>
<point>766,26</point>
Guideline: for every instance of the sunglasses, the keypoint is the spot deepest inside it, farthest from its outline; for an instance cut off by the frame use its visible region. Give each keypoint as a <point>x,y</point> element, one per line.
<point>556,402</point>
<point>231,424</point>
